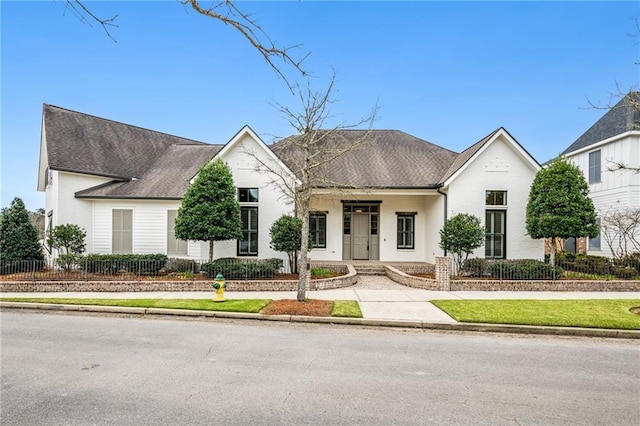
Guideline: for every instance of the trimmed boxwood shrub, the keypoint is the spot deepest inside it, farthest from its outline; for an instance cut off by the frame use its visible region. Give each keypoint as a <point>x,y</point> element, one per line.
<point>524,269</point>
<point>243,269</point>
<point>110,264</point>
<point>175,264</point>
<point>624,272</point>
<point>586,264</point>
<point>475,267</point>
<point>631,261</point>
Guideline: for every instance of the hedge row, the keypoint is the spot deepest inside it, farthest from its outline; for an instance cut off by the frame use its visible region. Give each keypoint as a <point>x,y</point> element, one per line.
<point>243,269</point>
<point>520,269</point>
<point>627,267</point>
<point>109,264</point>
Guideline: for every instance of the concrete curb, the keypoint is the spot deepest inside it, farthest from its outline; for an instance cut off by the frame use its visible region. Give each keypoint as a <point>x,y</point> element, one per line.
<point>492,328</point>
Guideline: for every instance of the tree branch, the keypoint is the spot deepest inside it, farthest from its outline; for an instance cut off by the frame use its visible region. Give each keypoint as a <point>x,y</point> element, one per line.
<point>229,14</point>
<point>81,11</point>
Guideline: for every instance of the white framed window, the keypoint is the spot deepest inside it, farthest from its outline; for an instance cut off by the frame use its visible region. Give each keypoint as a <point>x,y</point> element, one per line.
<point>495,234</point>
<point>248,245</point>
<point>318,229</point>
<point>406,230</point>
<point>248,195</point>
<point>496,198</point>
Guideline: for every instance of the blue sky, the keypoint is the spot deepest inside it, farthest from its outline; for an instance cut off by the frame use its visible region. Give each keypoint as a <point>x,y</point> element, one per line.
<point>447,72</point>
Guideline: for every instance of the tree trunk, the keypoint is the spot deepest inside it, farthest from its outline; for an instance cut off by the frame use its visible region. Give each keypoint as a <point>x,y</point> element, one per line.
<point>552,252</point>
<point>303,277</point>
<point>210,251</point>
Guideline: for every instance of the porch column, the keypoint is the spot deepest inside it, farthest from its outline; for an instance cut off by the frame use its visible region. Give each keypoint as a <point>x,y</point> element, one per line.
<point>443,273</point>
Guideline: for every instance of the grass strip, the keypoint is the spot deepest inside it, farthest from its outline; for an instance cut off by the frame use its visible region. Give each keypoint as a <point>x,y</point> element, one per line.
<point>233,305</point>
<point>346,308</point>
<point>601,313</point>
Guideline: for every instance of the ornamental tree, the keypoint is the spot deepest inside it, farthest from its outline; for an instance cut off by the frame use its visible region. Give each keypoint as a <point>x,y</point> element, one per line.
<point>461,235</point>
<point>286,236</point>
<point>18,237</point>
<point>68,239</point>
<point>559,205</point>
<point>210,211</point>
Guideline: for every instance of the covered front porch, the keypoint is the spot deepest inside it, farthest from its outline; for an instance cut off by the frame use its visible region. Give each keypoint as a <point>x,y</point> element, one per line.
<point>381,225</point>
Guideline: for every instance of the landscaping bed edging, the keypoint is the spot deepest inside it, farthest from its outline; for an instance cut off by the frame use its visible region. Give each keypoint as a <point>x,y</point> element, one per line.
<point>410,281</point>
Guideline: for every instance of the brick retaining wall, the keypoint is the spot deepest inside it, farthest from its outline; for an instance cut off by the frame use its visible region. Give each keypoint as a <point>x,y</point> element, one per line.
<point>346,280</point>
<point>411,281</point>
<point>560,285</point>
<point>443,282</point>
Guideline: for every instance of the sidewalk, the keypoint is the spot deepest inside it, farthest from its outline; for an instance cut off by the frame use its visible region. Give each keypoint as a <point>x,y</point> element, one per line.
<point>378,296</point>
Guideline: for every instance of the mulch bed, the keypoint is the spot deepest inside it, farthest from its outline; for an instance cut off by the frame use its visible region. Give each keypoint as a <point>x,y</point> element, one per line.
<point>312,308</point>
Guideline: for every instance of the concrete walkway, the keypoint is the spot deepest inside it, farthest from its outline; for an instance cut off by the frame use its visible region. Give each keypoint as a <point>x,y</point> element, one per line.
<point>378,296</point>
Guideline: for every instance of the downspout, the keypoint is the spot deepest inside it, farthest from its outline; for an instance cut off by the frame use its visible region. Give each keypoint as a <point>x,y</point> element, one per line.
<point>445,206</point>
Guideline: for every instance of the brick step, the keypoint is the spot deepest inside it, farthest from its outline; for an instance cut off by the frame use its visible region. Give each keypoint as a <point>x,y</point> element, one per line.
<point>370,269</point>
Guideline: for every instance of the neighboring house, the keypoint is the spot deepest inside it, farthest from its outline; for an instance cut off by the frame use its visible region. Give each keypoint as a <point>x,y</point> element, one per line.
<point>613,139</point>
<point>123,185</point>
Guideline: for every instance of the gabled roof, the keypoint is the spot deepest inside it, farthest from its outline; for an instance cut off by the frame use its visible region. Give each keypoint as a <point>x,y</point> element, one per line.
<point>83,143</point>
<point>145,164</point>
<point>467,156</point>
<point>167,178</point>
<point>379,159</point>
<point>621,118</point>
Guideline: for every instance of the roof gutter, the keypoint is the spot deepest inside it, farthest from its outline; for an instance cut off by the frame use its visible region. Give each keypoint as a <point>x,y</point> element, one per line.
<point>446,199</point>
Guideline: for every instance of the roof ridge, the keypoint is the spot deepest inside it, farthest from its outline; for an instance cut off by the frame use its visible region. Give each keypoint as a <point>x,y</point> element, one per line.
<point>127,124</point>
<point>618,119</point>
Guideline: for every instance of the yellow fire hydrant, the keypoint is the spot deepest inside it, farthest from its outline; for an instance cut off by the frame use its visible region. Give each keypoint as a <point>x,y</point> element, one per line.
<point>218,285</point>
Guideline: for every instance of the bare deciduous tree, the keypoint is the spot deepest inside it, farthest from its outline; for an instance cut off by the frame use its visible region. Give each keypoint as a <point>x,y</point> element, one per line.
<point>222,11</point>
<point>309,154</point>
<point>621,231</point>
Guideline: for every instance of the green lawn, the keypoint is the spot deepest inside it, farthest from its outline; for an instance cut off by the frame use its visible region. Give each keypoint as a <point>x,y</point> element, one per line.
<point>346,308</point>
<point>567,313</point>
<point>341,308</point>
<point>240,305</point>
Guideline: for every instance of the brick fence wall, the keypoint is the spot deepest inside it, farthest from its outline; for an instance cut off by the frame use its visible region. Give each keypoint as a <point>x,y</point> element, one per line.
<point>444,282</point>
<point>346,280</point>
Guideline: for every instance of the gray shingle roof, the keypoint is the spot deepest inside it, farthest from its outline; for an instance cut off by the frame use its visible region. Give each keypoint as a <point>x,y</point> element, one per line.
<point>621,118</point>
<point>466,155</point>
<point>167,178</point>
<point>381,159</point>
<point>83,143</point>
<point>152,165</point>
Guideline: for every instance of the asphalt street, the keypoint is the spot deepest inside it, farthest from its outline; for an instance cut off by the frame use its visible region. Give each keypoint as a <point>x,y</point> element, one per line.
<point>90,369</point>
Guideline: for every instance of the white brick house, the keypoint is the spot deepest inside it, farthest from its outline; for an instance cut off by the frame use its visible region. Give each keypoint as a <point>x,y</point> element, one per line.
<point>123,185</point>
